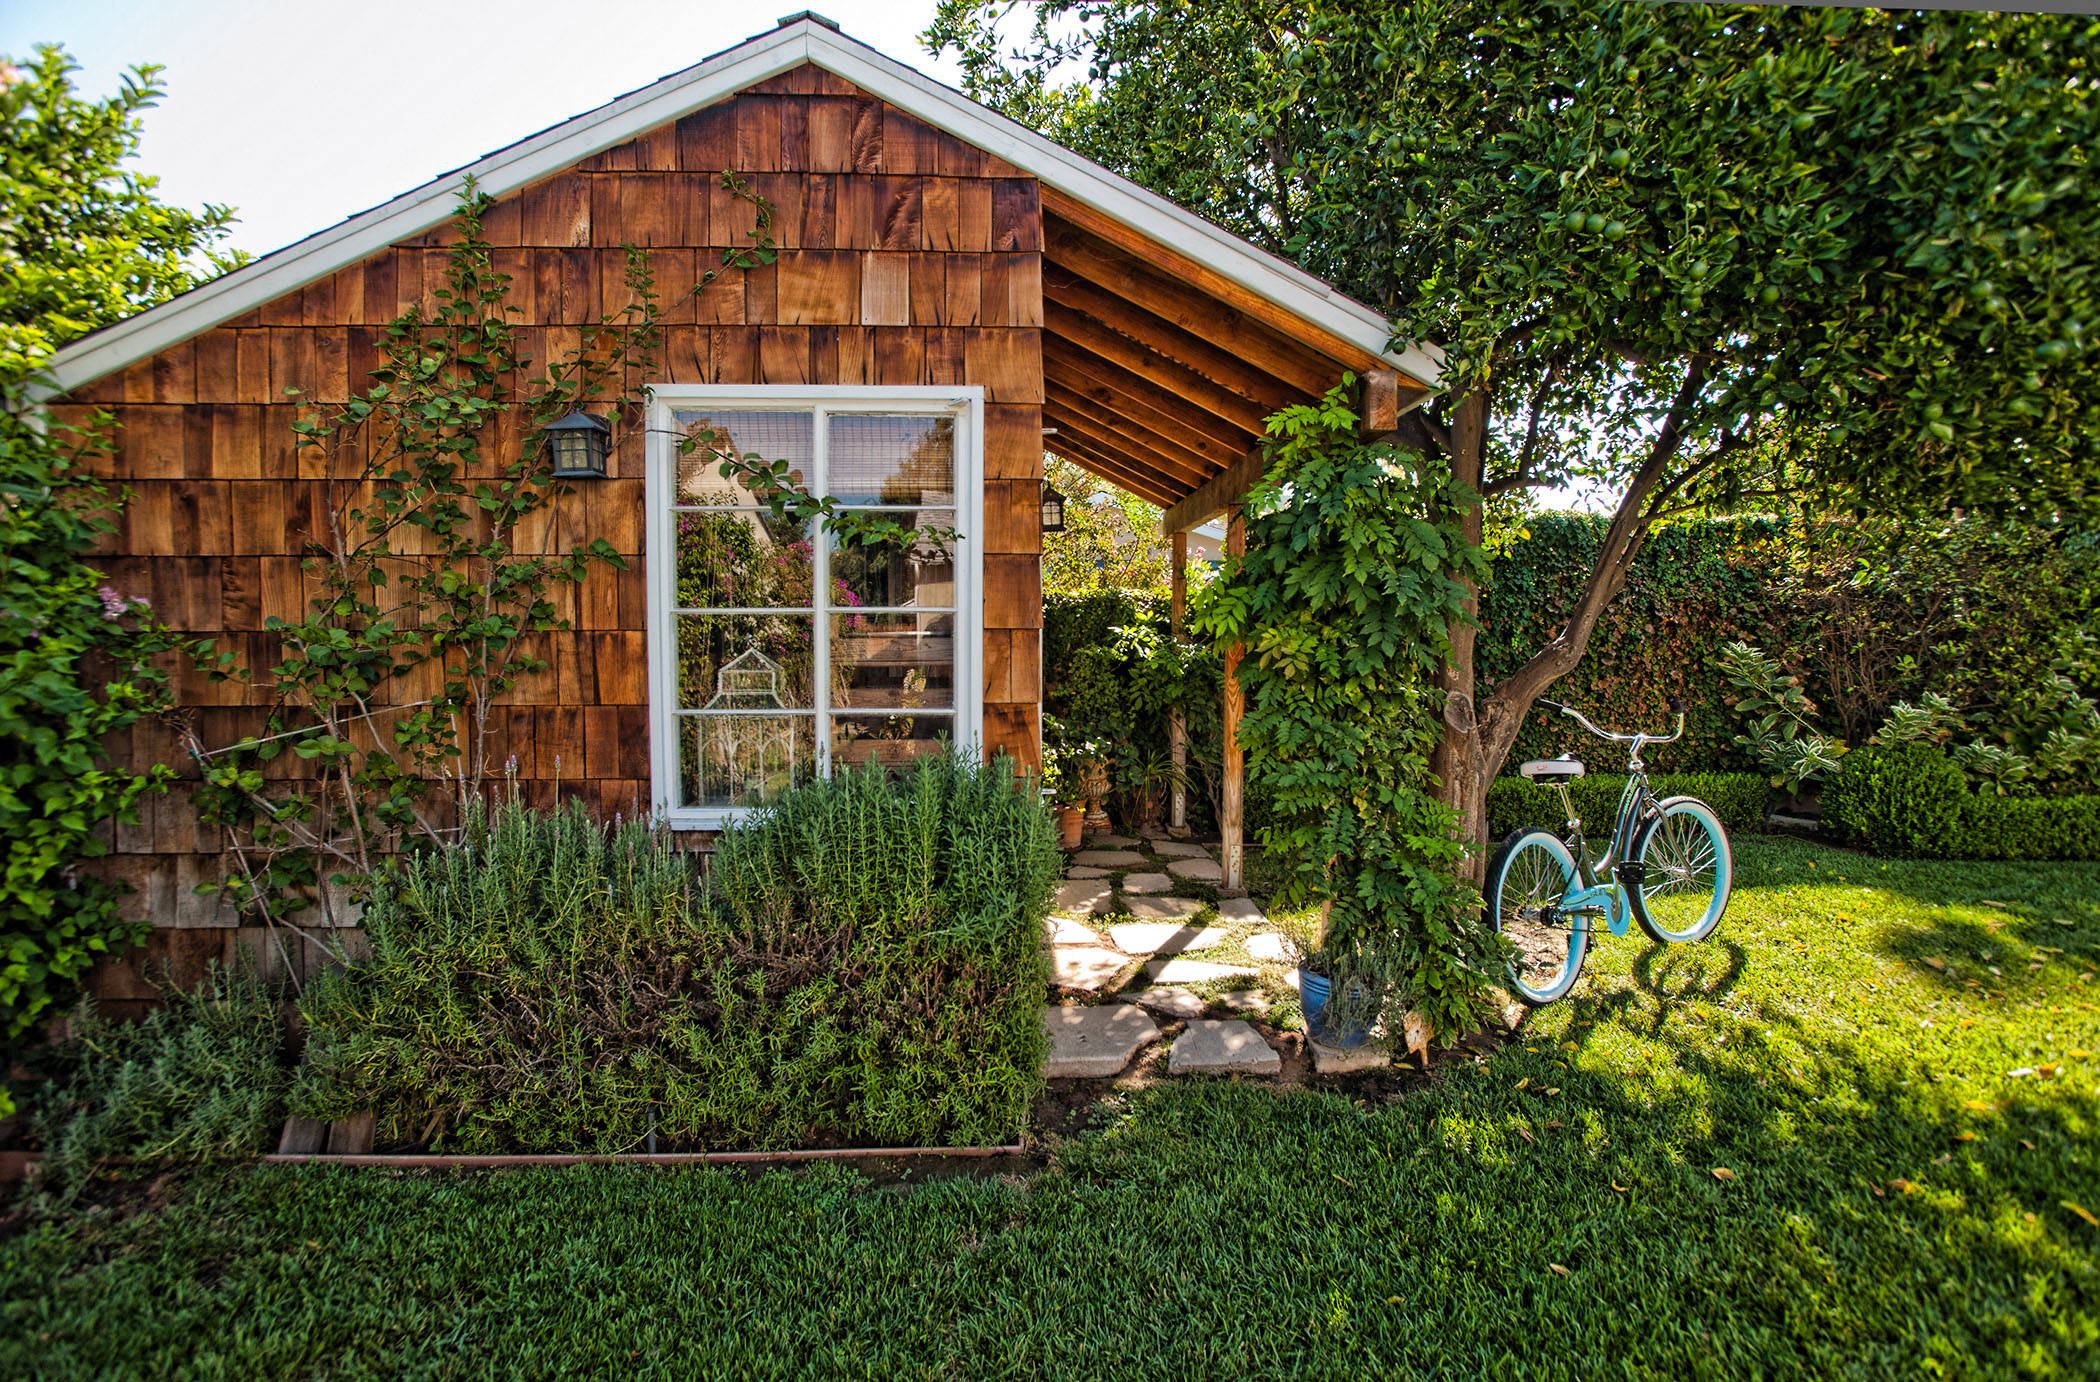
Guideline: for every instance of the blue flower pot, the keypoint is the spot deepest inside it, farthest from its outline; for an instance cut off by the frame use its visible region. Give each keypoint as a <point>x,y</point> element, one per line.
<point>1313,992</point>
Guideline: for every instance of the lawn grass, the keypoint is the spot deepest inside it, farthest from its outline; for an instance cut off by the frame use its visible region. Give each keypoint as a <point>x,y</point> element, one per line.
<point>1896,1203</point>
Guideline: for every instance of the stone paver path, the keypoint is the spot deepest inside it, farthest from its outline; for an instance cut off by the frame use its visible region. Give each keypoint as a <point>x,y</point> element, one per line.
<point>1065,931</point>
<point>1083,871</point>
<point>1176,849</point>
<point>1108,858</point>
<point>1164,937</point>
<point>1162,908</point>
<point>1247,1001</point>
<point>1171,1002</point>
<point>1146,882</point>
<point>1089,1043</point>
<point>1195,971</point>
<point>1231,1047</point>
<point>1087,896</point>
<point>1086,967</point>
<point>1273,947</point>
<point>1241,909</point>
<point>1196,870</point>
<point>1109,842</point>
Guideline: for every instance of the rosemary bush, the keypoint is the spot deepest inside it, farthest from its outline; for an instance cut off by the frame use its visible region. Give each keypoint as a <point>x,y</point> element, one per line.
<point>865,963</point>
<point>202,1077</point>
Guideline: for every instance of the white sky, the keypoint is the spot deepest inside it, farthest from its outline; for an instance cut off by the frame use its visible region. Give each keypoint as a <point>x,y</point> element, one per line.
<point>299,113</point>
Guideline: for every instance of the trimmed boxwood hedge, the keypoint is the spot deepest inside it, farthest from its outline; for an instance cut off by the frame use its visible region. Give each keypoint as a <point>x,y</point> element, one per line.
<point>1911,800</point>
<point>1514,804</point>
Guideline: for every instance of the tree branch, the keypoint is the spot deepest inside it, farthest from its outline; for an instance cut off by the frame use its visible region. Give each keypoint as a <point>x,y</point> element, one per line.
<point>1504,711</point>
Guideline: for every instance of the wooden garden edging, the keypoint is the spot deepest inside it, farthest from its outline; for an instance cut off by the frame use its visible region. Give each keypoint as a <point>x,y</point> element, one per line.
<point>465,1162</point>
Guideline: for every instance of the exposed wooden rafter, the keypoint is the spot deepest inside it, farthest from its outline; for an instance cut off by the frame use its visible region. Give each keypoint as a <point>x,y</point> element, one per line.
<point>1084,333</point>
<point>1164,338</point>
<point>1058,206</point>
<point>1198,455</point>
<point>1122,275</point>
<point>1216,495</point>
<point>1116,470</point>
<point>1096,377</point>
<point>1172,472</point>
<point>1098,353</point>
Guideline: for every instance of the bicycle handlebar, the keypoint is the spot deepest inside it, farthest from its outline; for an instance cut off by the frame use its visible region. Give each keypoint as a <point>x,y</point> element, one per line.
<point>1676,704</point>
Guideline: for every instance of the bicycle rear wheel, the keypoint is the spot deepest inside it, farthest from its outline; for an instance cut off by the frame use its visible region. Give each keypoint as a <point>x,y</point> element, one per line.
<point>1687,872</point>
<point>1526,881</point>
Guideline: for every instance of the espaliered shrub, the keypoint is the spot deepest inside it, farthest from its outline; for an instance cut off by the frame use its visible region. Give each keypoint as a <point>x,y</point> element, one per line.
<point>1911,800</point>
<point>1515,804</point>
<point>864,965</point>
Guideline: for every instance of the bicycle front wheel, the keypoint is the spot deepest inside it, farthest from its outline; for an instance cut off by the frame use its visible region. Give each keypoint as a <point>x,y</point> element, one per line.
<point>1526,881</point>
<point>1687,871</point>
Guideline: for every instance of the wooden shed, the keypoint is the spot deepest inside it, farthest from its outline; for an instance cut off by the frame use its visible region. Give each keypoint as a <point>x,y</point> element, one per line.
<point>953,294</point>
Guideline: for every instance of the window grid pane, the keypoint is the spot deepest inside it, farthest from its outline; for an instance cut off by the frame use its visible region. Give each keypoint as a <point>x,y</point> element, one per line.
<point>888,670</point>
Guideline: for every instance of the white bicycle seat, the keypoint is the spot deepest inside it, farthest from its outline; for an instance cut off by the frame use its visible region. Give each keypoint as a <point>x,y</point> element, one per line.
<point>1549,768</point>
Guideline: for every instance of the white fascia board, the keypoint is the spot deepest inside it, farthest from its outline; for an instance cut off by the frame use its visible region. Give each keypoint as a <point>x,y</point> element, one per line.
<point>542,155</point>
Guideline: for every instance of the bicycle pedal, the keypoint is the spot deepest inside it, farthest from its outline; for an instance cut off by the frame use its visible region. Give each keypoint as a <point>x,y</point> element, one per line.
<point>1632,874</point>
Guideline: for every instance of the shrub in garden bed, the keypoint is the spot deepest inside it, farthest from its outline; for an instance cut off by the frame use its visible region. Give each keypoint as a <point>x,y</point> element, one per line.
<point>863,964</point>
<point>1514,804</point>
<point>201,1077</point>
<point>1912,800</point>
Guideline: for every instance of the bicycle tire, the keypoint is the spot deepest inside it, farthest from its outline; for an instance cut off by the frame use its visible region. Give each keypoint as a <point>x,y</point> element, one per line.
<point>1684,854</point>
<point>1524,871</point>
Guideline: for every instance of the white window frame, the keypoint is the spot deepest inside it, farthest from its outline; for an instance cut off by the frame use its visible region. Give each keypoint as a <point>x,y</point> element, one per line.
<point>963,402</point>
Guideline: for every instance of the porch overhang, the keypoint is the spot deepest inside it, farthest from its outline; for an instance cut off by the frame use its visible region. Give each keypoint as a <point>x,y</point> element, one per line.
<point>1159,372</point>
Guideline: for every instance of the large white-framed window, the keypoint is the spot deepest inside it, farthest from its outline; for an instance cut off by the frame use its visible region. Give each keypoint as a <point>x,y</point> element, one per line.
<point>775,652</point>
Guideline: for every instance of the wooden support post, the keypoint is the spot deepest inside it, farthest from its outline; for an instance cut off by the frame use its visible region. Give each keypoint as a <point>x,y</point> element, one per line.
<point>1232,808</point>
<point>1177,730</point>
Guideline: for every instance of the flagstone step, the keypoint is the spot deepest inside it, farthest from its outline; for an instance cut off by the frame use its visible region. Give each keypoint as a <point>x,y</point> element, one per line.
<point>1092,1043</point>
<point>1210,1046</point>
<point>1164,937</point>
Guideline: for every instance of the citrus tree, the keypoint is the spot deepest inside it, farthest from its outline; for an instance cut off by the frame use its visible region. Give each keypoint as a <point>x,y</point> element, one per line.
<point>1702,255</point>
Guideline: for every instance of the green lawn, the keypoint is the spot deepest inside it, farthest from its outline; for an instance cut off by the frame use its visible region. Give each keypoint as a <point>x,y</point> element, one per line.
<point>1895,1204</point>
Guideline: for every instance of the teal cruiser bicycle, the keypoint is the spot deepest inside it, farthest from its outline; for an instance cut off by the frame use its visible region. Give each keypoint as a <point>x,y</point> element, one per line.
<point>1667,867</point>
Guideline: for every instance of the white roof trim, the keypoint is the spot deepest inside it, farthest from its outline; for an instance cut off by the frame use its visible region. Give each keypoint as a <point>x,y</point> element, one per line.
<point>135,338</point>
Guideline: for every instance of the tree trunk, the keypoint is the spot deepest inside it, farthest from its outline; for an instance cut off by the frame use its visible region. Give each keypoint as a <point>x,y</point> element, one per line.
<point>1457,761</point>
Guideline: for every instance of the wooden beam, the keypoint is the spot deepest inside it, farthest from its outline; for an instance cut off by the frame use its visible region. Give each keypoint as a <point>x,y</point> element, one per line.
<point>1233,798</point>
<point>1217,494</point>
<point>1200,456</point>
<point>1177,729</point>
<point>1084,333</point>
<point>1140,397</point>
<point>1378,401</point>
<point>1060,206</point>
<point>1169,340</point>
<point>1170,472</point>
<point>1177,302</point>
<point>1116,470</point>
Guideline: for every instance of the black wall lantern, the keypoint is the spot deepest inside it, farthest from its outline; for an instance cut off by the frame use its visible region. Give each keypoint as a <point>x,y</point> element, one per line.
<point>1053,510</point>
<point>577,444</point>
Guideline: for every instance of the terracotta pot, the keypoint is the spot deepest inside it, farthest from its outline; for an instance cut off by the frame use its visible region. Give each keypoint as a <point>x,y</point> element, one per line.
<point>1069,821</point>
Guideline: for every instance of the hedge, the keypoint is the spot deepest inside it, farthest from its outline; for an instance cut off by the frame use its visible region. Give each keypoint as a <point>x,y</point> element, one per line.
<point>1515,804</point>
<point>864,964</point>
<point>1865,614</point>
<point>1912,801</point>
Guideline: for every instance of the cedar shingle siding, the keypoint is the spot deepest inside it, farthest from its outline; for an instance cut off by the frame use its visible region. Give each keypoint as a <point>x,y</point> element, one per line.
<point>906,257</point>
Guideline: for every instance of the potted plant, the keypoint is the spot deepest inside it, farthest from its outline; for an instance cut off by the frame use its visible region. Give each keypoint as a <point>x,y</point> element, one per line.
<point>1332,1023</point>
<point>1061,792</point>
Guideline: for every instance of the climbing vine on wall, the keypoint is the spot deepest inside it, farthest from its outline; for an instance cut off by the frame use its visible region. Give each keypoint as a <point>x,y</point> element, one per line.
<point>437,566</point>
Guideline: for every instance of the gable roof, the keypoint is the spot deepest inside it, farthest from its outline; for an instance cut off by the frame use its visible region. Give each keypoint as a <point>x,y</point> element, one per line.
<point>798,40</point>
